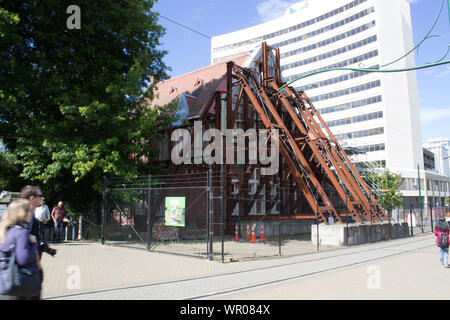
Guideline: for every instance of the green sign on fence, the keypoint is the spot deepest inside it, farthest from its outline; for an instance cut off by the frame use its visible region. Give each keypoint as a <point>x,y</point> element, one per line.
<point>175,211</point>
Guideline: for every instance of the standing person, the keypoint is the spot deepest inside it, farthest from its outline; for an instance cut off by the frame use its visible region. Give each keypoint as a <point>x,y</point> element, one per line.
<point>58,215</point>
<point>14,227</point>
<point>441,232</point>
<point>36,198</point>
<point>42,214</point>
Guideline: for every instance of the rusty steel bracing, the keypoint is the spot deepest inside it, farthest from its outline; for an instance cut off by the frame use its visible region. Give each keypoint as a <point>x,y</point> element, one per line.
<point>313,158</point>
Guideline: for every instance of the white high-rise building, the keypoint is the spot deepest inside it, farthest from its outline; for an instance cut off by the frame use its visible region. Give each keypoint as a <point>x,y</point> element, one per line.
<point>439,146</point>
<point>378,112</point>
<point>438,179</point>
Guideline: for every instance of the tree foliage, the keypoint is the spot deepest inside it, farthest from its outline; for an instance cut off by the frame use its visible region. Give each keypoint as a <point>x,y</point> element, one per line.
<point>9,172</point>
<point>389,196</point>
<point>72,105</point>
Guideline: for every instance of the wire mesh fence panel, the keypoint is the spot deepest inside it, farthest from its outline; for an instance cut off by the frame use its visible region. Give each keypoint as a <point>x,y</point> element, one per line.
<point>179,223</point>
<point>296,237</point>
<point>165,213</point>
<point>195,214</point>
<point>126,217</point>
<point>420,220</point>
<point>250,239</point>
<point>91,227</point>
<point>268,238</point>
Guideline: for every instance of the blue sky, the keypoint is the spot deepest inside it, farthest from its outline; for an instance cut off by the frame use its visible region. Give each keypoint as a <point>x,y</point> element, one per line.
<point>188,50</point>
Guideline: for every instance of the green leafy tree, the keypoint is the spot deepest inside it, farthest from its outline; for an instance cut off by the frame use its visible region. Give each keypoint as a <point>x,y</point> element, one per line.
<point>9,172</point>
<point>389,196</point>
<point>72,104</point>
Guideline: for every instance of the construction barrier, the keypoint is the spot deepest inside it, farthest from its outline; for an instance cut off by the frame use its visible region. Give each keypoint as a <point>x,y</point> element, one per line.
<point>236,233</point>
<point>253,239</point>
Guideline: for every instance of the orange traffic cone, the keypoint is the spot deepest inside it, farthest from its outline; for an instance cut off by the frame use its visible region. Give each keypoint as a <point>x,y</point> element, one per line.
<point>236,233</point>
<point>262,233</point>
<point>253,234</point>
<point>247,235</point>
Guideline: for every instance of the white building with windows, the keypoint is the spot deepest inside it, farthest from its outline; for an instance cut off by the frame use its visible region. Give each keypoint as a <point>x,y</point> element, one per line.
<point>439,146</point>
<point>437,188</point>
<point>378,112</point>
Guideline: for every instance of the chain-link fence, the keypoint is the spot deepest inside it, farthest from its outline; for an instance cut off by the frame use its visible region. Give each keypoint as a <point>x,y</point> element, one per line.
<point>269,237</point>
<point>420,220</point>
<point>185,213</point>
<point>165,213</point>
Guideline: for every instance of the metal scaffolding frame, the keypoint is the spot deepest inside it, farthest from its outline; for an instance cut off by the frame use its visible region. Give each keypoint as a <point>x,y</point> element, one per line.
<point>312,157</point>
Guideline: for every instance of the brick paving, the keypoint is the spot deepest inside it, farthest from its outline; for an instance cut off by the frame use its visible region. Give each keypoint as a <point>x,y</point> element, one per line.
<point>113,272</point>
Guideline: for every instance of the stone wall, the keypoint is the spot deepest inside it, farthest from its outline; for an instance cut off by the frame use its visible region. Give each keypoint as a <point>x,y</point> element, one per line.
<point>358,233</point>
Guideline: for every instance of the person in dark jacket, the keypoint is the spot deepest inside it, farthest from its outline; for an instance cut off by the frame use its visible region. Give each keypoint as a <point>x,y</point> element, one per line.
<point>15,224</point>
<point>36,198</point>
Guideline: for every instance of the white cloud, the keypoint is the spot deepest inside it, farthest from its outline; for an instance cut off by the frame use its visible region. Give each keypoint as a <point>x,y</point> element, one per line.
<point>272,9</point>
<point>430,115</point>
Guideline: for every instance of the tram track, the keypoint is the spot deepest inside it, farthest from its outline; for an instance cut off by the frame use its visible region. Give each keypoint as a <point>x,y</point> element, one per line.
<point>224,277</point>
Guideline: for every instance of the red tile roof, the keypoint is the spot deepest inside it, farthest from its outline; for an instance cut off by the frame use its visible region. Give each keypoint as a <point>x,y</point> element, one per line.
<point>200,85</point>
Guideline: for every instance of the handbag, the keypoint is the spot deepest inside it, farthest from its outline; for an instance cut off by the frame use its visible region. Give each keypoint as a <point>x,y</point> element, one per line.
<point>17,280</point>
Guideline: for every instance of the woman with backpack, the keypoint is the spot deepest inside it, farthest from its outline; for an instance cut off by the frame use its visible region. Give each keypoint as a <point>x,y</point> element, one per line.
<point>441,232</point>
<point>19,258</point>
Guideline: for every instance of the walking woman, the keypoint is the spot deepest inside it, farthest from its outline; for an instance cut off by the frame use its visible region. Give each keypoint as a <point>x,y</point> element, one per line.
<point>14,233</point>
<point>441,232</point>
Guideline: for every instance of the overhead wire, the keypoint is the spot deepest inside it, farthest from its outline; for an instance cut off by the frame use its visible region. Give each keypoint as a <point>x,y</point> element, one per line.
<point>189,28</point>
<point>369,70</point>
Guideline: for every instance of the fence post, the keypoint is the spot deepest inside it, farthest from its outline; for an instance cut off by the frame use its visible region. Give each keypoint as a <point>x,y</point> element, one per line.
<point>371,225</point>
<point>346,233</point>
<point>431,216</point>
<point>318,237</point>
<point>421,218</point>
<point>411,222</point>
<point>210,216</point>
<point>390,225</point>
<point>317,220</point>
<point>104,210</point>
<point>279,238</point>
<point>80,228</point>
<point>222,213</point>
<point>74,224</point>
<point>149,220</point>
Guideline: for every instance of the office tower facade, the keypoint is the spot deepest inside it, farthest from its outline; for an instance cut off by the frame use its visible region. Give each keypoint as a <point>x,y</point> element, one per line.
<point>377,113</point>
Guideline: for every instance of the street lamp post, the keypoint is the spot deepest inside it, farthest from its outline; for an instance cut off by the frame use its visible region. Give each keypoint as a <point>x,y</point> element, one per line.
<point>383,192</point>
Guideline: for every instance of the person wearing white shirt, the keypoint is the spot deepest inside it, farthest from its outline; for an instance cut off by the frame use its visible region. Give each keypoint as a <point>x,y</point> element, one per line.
<point>42,214</point>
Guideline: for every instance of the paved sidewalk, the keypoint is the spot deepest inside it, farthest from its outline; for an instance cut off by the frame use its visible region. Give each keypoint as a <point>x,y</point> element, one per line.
<point>91,271</point>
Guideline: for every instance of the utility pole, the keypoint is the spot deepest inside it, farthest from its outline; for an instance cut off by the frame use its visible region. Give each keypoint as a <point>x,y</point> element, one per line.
<point>420,194</point>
